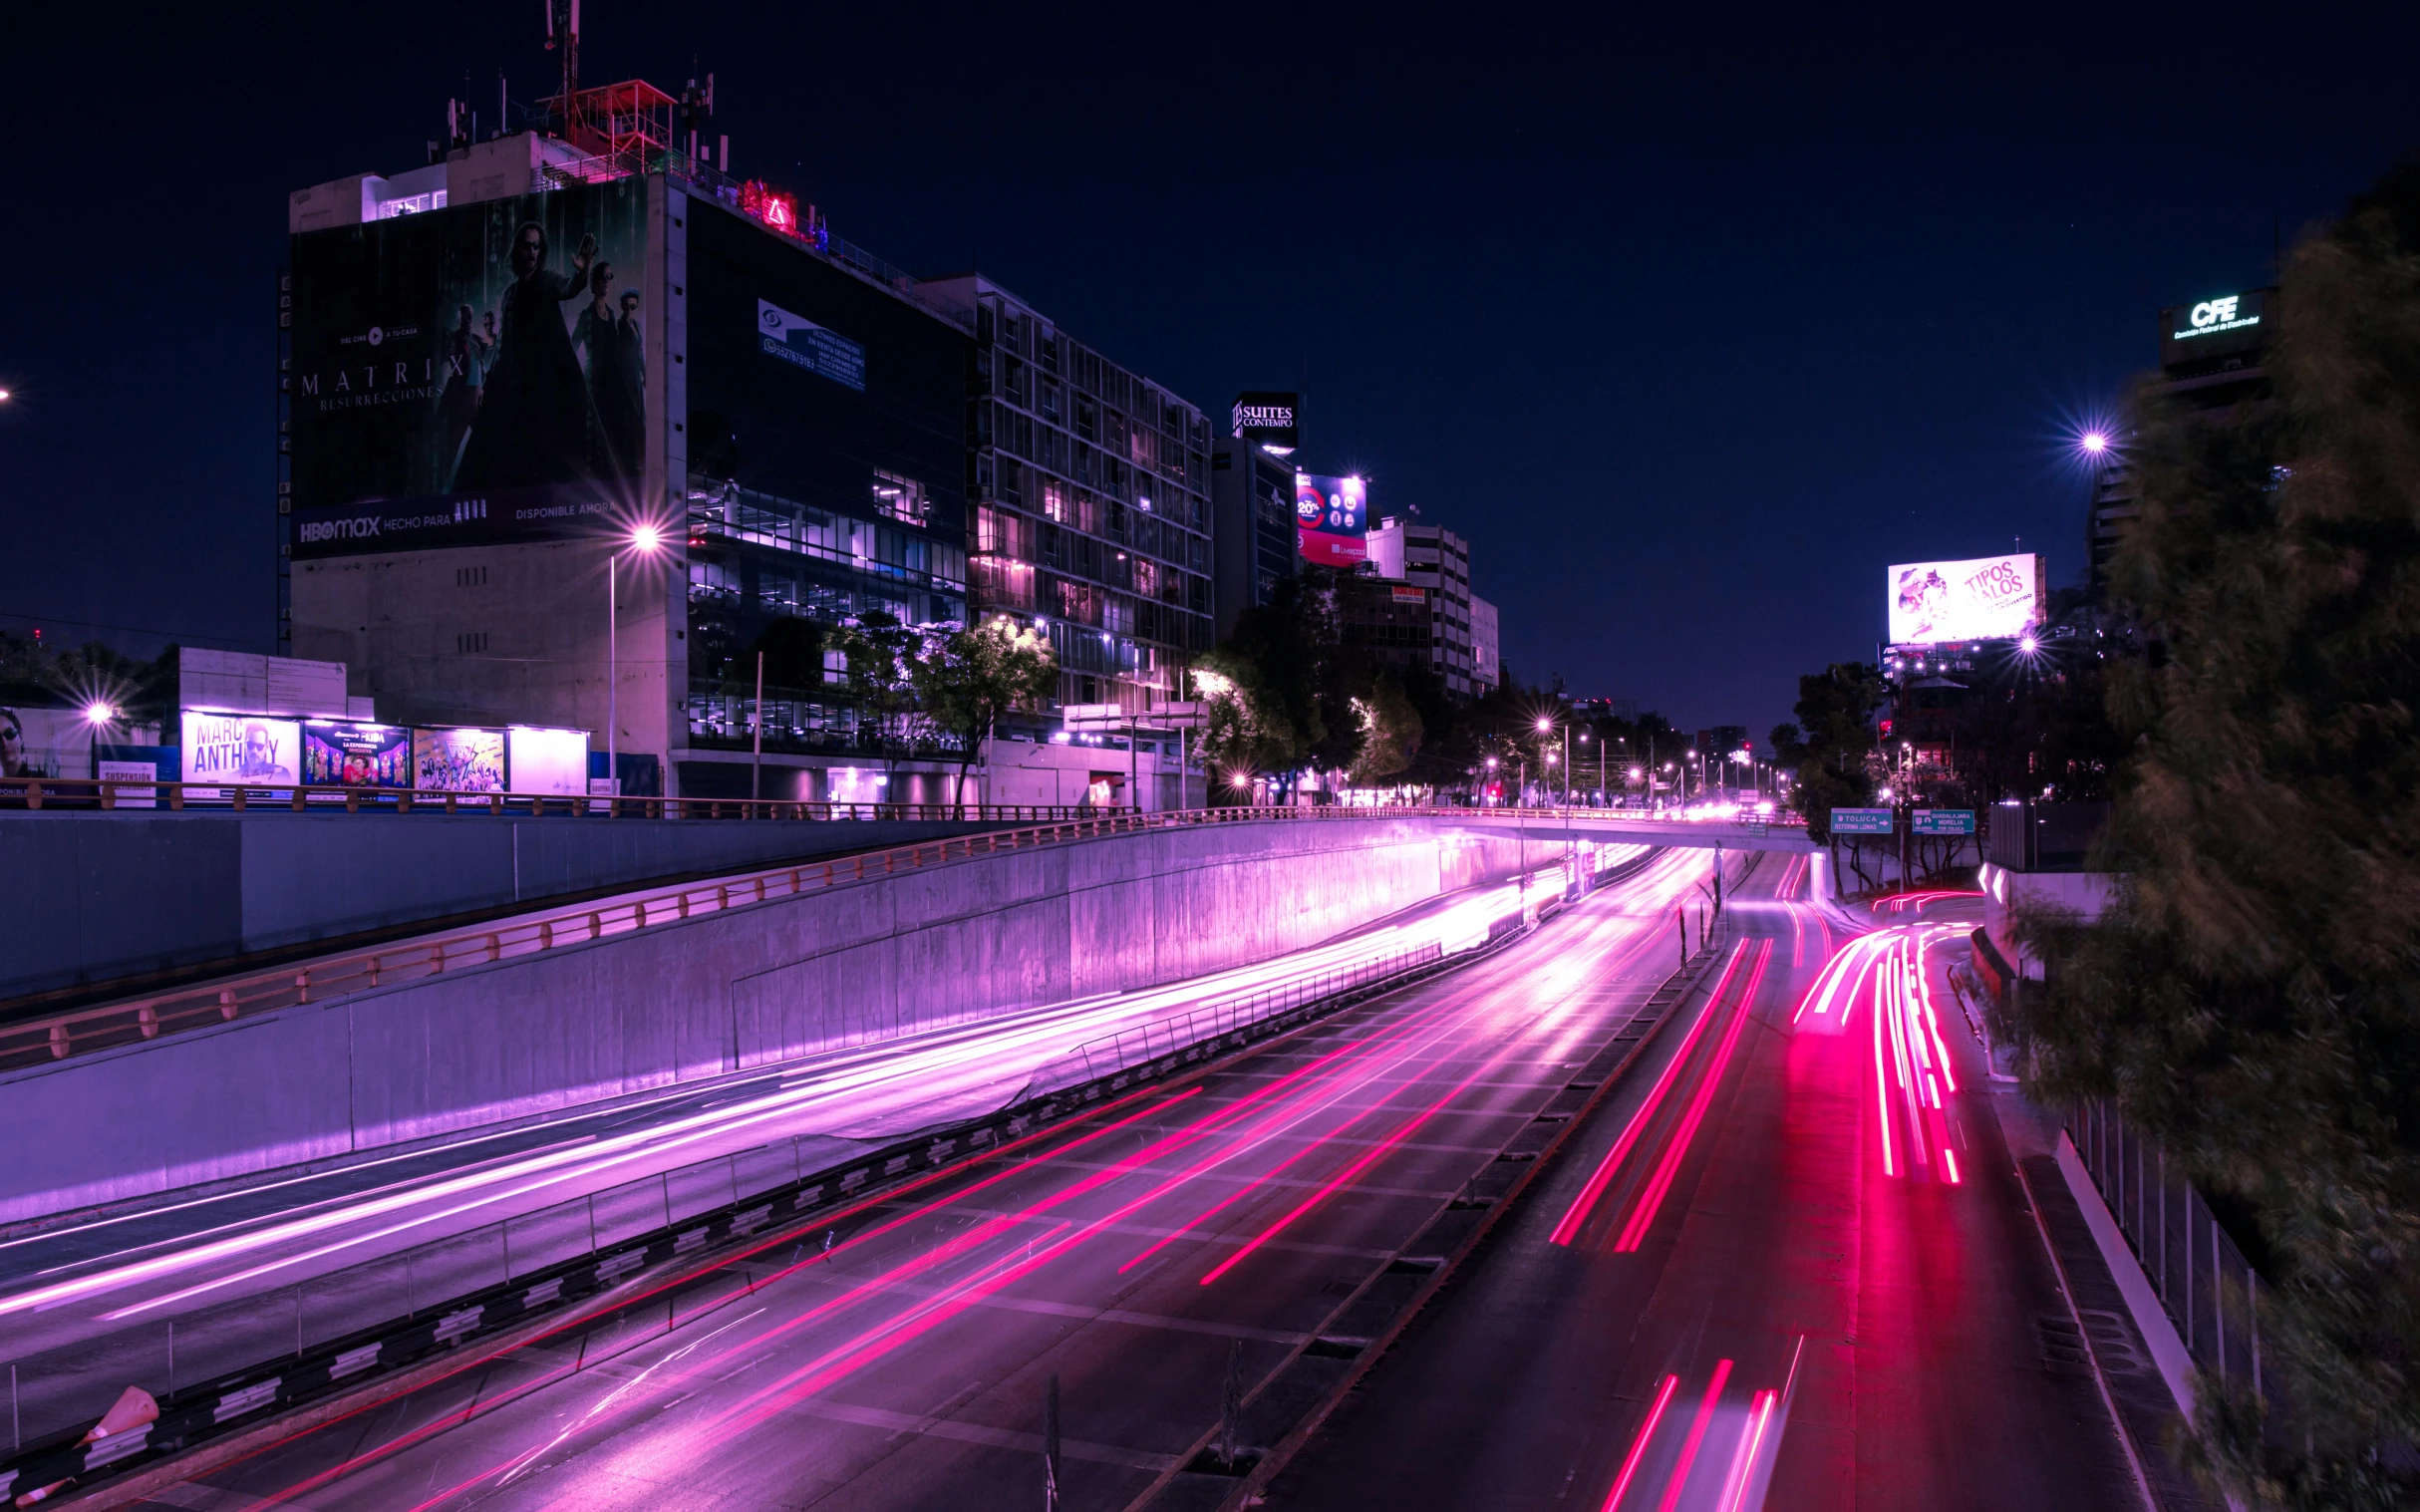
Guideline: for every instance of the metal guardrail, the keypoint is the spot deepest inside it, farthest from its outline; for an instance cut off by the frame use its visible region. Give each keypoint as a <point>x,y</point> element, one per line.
<point>2208,1288</point>
<point>1157,1038</point>
<point>88,794</point>
<point>227,1367</point>
<point>54,1036</point>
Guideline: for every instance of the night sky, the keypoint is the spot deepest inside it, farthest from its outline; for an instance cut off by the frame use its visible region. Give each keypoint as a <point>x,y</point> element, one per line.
<point>1691,327</point>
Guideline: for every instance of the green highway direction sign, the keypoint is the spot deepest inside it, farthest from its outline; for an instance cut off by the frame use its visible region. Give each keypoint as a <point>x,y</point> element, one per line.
<point>1861,821</point>
<point>1943,821</point>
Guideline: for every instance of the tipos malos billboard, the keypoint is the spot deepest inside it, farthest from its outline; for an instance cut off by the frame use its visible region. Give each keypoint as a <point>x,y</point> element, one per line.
<point>1987,598</point>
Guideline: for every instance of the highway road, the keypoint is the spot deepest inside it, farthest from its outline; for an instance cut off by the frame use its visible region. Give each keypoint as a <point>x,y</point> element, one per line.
<point>85,1307</point>
<point>1200,1233</point>
<point>1793,1265</point>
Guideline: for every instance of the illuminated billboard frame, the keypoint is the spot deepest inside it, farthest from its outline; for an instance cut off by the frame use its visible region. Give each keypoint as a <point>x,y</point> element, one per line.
<point>1982,598</point>
<point>1331,520</point>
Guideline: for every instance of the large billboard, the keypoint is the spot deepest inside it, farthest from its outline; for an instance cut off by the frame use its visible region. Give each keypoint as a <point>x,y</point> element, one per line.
<point>1985,598</point>
<point>547,760</point>
<point>477,366</point>
<point>457,761</point>
<point>238,747</point>
<point>43,742</point>
<point>1331,520</point>
<point>349,753</point>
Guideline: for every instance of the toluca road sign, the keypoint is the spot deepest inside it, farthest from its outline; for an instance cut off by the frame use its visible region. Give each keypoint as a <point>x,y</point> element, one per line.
<point>1943,821</point>
<point>1861,821</point>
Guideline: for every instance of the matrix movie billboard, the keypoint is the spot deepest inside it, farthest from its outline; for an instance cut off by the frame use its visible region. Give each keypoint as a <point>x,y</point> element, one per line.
<point>1331,520</point>
<point>1987,598</point>
<point>477,367</point>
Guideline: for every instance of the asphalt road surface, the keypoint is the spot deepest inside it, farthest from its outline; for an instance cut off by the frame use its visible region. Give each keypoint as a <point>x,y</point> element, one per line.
<point>289,1259</point>
<point>1793,1266</point>
<point>1200,1233</point>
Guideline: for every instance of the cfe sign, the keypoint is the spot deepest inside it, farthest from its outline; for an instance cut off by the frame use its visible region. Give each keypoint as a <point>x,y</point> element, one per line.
<point>2215,327</point>
<point>1942,821</point>
<point>1861,821</point>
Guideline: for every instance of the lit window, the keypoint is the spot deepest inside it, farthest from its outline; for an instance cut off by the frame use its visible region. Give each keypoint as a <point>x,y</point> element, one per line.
<point>902,498</point>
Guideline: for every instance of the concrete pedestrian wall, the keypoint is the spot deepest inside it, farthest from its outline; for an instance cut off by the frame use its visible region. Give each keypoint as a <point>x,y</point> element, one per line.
<point>675,1004</point>
<point>91,898</point>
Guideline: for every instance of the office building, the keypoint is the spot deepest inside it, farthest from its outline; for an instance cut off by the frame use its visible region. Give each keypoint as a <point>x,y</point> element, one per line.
<point>1090,498</point>
<point>1434,562</point>
<point>2211,361</point>
<point>1251,505</point>
<point>579,364</point>
<point>1486,649</point>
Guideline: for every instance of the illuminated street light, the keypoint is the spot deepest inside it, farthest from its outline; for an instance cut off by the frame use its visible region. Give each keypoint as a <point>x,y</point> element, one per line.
<point>2094,443</point>
<point>644,541</point>
<point>97,712</point>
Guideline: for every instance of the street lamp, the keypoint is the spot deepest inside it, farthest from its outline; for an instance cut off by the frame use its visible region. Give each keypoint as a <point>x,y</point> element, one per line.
<point>643,540</point>
<point>97,713</point>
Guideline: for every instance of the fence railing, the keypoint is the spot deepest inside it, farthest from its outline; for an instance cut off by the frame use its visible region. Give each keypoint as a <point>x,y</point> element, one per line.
<point>88,794</point>
<point>2209,1289</point>
<point>617,1232</point>
<point>54,1036</point>
<point>1159,1039</point>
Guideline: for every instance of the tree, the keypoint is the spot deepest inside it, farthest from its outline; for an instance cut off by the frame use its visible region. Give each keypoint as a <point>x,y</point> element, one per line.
<point>971,675</point>
<point>2250,996</point>
<point>1390,730</point>
<point>1836,710</point>
<point>882,655</point>
<point>1265,715</point>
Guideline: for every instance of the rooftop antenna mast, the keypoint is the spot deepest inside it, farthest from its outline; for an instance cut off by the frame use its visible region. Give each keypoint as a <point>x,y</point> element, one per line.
<point>563,36</point>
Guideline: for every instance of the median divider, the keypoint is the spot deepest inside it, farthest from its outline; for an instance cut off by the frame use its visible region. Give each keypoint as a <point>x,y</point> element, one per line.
<point>1296,1399</point>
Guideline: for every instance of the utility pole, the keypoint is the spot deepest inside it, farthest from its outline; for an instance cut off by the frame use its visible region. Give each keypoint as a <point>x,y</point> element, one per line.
<point>755,762</point>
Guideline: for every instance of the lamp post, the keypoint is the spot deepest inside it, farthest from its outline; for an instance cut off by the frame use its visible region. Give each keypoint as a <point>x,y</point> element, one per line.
<point>644,540</point>
<point>98,713</point>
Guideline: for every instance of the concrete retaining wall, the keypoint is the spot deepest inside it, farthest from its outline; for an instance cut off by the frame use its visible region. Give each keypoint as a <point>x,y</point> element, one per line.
<point>709,995</point>
<point>95,897</point>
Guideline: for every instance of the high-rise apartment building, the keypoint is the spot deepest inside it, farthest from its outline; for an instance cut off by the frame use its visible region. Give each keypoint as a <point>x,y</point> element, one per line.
<point>1436,562</point>
<point>1251,505</point>
<point>1089,489</point>
<point>1486,647</point>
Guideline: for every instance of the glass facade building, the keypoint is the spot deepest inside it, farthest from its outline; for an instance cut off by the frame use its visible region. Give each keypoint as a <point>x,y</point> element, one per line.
<point>1089,487</point>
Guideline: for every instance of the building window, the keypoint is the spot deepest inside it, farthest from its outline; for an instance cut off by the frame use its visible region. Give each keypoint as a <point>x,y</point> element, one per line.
<point>470,643</point>
<point>470,577</point>
<point>902,498</point>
